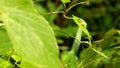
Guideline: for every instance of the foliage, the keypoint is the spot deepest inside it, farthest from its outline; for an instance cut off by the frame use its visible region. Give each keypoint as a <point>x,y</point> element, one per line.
<point>59,34</point>
<point>27,32</point>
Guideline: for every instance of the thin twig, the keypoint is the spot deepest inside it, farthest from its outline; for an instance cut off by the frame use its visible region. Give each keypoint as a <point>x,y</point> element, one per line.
<point>73,2</point>
<point>10,54</point>
<point>64,6</point>
<point>56,12</point>
<point>67,16</point>
<point>75,5</point>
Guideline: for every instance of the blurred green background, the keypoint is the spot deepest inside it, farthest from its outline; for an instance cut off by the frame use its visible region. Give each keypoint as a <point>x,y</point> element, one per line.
<point>100,15</point>
<point>103,22</point>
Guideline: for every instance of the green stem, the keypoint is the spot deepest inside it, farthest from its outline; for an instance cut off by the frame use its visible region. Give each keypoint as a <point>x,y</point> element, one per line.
<point>73,2</point>
<point>67,16</point>
<point>56,12</point>
<point>75,5</point>
<point>77,41</point>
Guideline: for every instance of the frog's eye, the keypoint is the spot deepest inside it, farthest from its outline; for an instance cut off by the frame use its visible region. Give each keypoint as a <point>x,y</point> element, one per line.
<point>83,22</point>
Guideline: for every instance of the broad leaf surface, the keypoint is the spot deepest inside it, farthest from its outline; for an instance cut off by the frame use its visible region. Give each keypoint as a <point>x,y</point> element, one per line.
<point>31,35</point>
<point>25,5</point>
<point>31,39</point>
<point>5,44</point>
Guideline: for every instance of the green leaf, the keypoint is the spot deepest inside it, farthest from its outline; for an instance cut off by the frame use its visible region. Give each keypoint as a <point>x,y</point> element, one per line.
<point>100,53</point>
<point>67,32</point>
<point>82,25</point>
<point>65,1</point>
<point>5,64</point>
<point>108,39</point>
<point>32,38</point>
<point>69,59</point>
<point>31,35</point>
<point>25,5</point>
<point>42,11</point>
<point>16,58</point>
<point>5,44</point>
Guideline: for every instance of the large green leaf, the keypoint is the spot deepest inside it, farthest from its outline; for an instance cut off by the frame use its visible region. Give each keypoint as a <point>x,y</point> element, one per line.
<point>31,35</point>
<point>25,5</point>
<point>5,44</point>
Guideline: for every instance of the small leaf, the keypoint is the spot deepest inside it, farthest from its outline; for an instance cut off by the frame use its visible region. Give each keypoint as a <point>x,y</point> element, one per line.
<point>82,25</point>
<point>65,1</point>
<point>84,29</point>
<point>83,22</point>
<point>100,53</point>
<point>108,39</point>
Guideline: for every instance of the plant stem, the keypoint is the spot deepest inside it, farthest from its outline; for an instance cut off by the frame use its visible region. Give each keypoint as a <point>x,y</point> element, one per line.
<point>73,2</point>
<point>67,16</point>
<point>75,5</point>
<point>55,12</point>
<point>64,6</point>
<point>77,41</point>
